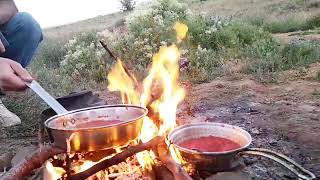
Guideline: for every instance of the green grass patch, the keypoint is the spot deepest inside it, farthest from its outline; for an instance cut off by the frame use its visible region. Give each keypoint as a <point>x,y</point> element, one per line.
<point>300,54</point>
<point>286,24</point>
<point>269,57</point>
<point>318,76</point>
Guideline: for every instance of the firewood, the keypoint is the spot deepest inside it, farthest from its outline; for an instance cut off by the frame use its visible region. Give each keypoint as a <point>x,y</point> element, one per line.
<point>178,172</point>
<point>117,158</point>
<point>34,161</point>
<point>163,173</point>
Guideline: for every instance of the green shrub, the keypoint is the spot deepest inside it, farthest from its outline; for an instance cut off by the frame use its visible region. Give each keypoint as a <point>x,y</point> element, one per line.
<point>204,64</point>
<point>264,55</point>
<point>300,54</point>
<point>127,5</point>
<point>318,76</point>
<point>203,31</point>
<point>256,20</point>
<point>268,57</point>
<point>84,58</point>
<point>52,53</point>
<point>313,22</point>
<point>238,34</point>
<point>147,32</point>
<point>205,46</point>
<point>286,25</point>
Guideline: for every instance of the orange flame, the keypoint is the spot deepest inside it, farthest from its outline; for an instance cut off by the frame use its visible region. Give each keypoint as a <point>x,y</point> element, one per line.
<point>181,30</point>
<point>51,172</point>
<point>161,92</point>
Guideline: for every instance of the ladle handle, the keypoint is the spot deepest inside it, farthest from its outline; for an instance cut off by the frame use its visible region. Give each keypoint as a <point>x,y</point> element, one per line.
<point>44,95</point>
<point>281,159</point>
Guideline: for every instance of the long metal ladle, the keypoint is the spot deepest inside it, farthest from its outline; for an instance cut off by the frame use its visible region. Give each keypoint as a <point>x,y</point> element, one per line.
<point>43,94</point>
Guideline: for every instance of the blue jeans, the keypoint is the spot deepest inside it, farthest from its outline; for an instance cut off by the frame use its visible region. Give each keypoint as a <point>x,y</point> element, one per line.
<point>23,35</point>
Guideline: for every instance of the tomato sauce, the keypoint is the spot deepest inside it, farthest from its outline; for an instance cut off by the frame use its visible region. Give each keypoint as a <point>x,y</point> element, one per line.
<point>210,144</point>
<point>98,123</point>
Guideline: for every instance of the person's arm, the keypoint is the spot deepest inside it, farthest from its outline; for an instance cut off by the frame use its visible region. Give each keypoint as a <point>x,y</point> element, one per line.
<point>7,10</point>
<point>13,75</point>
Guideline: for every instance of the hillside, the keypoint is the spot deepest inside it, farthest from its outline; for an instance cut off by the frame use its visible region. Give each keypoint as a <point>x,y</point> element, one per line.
<point>270,10</point>
<point>93,24</point>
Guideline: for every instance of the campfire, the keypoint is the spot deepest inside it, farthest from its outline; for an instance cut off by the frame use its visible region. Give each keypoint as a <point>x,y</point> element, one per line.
<point>160,93</point>
<point>159,149</point>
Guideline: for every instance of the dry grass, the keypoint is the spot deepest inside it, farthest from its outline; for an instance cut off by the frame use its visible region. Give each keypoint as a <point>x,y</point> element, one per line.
<point>65,32</point>
<point>270,10</point>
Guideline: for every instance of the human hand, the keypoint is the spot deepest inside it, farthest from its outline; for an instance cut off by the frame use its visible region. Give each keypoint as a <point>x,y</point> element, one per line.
<point>2,48</point>
<point>13,75</point>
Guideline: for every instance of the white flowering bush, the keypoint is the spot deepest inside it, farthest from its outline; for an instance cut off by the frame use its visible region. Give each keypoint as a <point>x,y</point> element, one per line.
<point>208,39</point>
<point>204,64</point>
<point>84,58</point>
<point>146,31</point>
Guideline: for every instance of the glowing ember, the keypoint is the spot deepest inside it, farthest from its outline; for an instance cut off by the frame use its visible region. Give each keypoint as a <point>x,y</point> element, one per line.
<point>51,172</point>
<point>161,92</point>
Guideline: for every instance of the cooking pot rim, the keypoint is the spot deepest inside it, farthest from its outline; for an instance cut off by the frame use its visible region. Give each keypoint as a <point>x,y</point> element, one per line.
<point>46,123</point>
<point>222,125</point>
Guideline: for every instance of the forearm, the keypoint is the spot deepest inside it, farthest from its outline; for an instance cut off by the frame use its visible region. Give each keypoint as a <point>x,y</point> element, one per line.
<point>7,10</point>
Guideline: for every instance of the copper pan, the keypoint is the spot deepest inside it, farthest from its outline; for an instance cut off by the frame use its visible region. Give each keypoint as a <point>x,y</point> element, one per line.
<point>223,161</point>
<point>64,133</point>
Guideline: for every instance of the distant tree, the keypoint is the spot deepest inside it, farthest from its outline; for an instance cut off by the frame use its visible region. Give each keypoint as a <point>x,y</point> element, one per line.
<point>127,5</point>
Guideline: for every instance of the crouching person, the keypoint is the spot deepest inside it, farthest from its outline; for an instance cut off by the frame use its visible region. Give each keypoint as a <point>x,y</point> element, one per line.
<point>20,36</point>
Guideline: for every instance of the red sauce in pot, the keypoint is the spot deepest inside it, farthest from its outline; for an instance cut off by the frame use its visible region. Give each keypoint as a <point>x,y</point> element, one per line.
<point>210,144</point>
<point>98,123</point>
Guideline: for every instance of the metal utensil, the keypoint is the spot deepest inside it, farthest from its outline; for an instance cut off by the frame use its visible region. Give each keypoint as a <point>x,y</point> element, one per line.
<point>62,127</point>
<point>222,161</point>
<point>43,94</point>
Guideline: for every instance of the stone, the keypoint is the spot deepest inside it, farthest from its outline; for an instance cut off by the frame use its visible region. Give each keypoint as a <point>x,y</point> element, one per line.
<point>238,175</point>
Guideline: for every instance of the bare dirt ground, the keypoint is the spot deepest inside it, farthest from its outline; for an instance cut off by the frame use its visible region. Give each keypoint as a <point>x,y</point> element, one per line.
<point>282,117</point>
<point>298,36</point>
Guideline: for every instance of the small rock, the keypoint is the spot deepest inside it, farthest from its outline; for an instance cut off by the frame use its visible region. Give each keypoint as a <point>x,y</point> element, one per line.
<point>273,142</point>
<point>253,111</point>
<point>306,107</point>
<point>219,86</point>
<point>238,175</point>
<point>255,131</point>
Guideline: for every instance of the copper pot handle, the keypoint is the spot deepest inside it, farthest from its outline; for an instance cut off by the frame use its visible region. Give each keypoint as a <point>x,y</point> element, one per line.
<point>281,159</point>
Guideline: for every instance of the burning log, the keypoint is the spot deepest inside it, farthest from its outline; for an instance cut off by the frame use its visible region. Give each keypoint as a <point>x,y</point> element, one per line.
<point>117,158</point>
<point>178,172</point>
<point>34,161</point>
<point>156,143</point>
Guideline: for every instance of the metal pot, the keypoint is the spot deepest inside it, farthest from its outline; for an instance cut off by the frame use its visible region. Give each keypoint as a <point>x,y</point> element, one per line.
<point>224,161</point>
<point>63,130</point>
